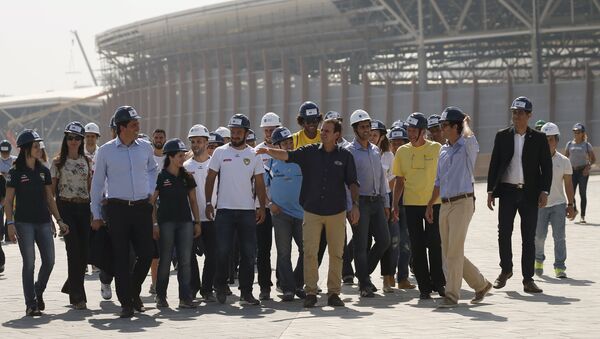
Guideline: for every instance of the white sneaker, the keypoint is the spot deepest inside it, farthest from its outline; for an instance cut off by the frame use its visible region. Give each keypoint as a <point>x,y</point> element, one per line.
<point>106,291</point>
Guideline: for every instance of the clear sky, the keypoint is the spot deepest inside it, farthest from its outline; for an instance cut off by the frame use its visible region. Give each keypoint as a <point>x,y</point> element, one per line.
<point>38,52</point>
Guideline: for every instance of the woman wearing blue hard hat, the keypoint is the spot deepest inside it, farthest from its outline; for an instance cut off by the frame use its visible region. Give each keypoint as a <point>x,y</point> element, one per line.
<point>582,157</point>
<point>173,224</point>
<point>29,184</point>
<point>71,172</point>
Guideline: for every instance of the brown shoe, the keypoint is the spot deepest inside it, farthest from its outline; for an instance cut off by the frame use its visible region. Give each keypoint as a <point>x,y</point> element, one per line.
<point>404,284</point>
<point>479,295</point>
<point>501,280</point>
<point>531,287</point>
<point>388,283</point>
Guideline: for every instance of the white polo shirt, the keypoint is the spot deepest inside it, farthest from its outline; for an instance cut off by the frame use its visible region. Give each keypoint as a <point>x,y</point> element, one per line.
<point>561,166</point>
<point>236,169</point>
<point>199,170</point>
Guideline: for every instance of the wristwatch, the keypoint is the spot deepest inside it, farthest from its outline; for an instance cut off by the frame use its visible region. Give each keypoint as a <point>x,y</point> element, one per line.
<point>208,203</point>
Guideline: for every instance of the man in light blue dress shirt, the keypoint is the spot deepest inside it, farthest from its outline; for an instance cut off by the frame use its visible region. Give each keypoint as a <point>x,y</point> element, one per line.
<point>454,183</point>
<point>127,167</point>
<point>374,203</point>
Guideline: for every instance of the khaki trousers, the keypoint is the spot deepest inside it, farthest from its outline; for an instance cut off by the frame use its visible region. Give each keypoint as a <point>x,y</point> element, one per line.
<point>454,223</point>
<point>335,230</point>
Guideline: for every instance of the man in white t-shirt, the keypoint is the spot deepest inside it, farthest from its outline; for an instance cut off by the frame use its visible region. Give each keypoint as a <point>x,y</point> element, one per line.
<point>197,166</point>
<point>555,211</point>
<point>238,167</point>
<point>159,136</point>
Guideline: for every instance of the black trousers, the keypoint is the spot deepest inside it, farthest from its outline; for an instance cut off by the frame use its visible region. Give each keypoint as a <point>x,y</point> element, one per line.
<point>513,200</point>
<point>130,226</point>
<point>209,240</point>
<point>424,240</point>
<point>264,243</point>
<point>77,244</point>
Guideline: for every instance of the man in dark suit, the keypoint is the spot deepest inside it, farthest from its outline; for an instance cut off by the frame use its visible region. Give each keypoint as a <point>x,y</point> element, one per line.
<point>520,175</point>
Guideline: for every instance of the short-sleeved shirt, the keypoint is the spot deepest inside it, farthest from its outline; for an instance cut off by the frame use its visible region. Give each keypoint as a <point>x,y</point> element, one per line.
<point>29,184</point>
<point>578,153</point>
<point>301,139</point>
<point>173,193</point>
<point>561,166</point>
<point>284,181</point>
<point>72,178</point>
<point>325,176</point>
<point>387,161</point>
<point>418,166</point>
<point>236,169</point>
<point>199,170</point>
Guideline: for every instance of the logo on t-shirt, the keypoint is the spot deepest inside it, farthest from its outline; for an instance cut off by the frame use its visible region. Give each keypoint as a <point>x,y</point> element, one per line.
<point>246,161</point>
<point>43,176</point>
<point>24,178</point>
<point>337,162</point>
<point>167,183</point>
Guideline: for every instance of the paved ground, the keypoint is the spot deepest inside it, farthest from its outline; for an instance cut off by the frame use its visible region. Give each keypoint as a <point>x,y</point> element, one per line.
<point>567,308</point>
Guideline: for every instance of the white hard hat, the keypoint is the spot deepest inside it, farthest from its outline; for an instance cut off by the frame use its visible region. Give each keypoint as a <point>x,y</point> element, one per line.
<point>550,129</point>
<point>223,131</point>
<point>332,115</point>
<point>92,128</point>
<point>358,116</point>
<point>198,131</point>
<point>270,120</point>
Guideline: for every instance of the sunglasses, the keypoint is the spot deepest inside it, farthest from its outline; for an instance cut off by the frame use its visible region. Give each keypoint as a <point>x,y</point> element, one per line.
<point>74,137</point>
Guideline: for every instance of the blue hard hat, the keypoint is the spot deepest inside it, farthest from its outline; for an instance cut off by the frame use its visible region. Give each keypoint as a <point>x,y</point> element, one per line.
<point>309,109</point>
<point>76,128</point>
<point>433,121</point>
<point>378,125</point>
<point>417,120</point>
<point>397,133</point>
<point>453,114</point>
<point>125,114</point>
<point>173,146</point>
<point>239,120</point>
<point>280,134</point>
<point>5,146</point>
<point>27,136</point>
<point>251,136</point>
<point>522,103</point>
<point>215,138</point>
<point>579,127</point>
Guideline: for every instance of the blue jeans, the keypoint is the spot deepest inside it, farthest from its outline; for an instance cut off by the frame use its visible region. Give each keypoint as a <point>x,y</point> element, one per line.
<point>403,246</point>
<point>554,215</point>
<point>372,222</point>
<point>28,235</point>
<point>288,228</point>
<point>178,235</point>
<point>240,223</point>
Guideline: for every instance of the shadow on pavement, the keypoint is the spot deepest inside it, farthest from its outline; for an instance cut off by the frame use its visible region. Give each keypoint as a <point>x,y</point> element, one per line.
<point>567,281</point>
<point>550,299</point>
<point>71,315</point>
<point>138,323</point>
<point>470,311</point>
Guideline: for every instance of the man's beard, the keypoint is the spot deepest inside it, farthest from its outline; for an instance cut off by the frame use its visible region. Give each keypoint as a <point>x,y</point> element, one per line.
<point>157,145</point>
<point>199,151</point>
<point>237,144</point>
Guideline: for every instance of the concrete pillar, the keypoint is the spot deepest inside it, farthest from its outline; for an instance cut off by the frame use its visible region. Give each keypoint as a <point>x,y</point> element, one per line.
<point>251,88</point>
<point>475,114</point>
<point>509,93</point>
<point>211,121</point>
<point>172,120</point>
<point>344,100</point>
<point>444,94</point>
<point>415,96</point>
<point>285,110</point>
<point>268,83</point>
<point>221,117</point>
<point>235,79</point>
<point>304,77</point>
<point>366,91</point>
<point>195,91</point>
<point>589,99</point>
<point>551,96</point>
<point>389,101</point>
<point>324,85</point>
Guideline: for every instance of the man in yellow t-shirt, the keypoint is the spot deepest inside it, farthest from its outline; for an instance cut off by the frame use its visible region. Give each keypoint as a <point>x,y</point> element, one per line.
<point>309,118</point>
<point>415,166</point>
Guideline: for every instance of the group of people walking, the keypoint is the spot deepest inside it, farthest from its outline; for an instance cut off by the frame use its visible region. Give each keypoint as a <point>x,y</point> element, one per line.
<point>407,193</point>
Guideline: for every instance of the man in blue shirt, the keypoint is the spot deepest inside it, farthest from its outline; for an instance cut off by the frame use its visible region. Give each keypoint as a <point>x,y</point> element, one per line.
<point>454,183</point>
<point>284,181</point>
<point>127,167</point>
<point>374,203</point>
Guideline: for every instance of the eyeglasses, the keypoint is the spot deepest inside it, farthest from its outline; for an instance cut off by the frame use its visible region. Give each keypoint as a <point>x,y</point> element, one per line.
<point>74,137</point>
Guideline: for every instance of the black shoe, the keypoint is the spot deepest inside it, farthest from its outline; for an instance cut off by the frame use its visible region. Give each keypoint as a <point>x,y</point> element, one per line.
<point>335,301</point>
<point>425,296</point>
<point>531,287</point>
<point>265,294</point>
<point>310,300</point>
<point>161,302</point>
<point>228,291</point>
<point>221,296</point>
<point>366,293</point>
<point>208,297</point>
<point>33,312</point>
<point>300,293</point>
<point>501,280</point>
<point>248,299</point>
<point>442,291</point>
<point>287,296</point>
<point>41,305</point>
<point>126,312</point>
<point>372,287</point>
<point>138,305</point>
<point>348,279</point>
<point>2,268</point>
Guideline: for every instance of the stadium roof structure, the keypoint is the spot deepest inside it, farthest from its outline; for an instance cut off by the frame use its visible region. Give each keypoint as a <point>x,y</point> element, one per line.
<point>427,40</point>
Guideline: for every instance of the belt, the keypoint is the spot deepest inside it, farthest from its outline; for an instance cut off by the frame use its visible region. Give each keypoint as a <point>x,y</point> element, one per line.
<point>515,186</point>
<point>458,197</point>
<point>578,168</point>
<point>75,200</point>
<point>128,202</point>
<point>370,198</point>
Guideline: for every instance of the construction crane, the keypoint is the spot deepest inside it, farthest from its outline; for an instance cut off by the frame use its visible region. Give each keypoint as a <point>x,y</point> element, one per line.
<point>87,62</point>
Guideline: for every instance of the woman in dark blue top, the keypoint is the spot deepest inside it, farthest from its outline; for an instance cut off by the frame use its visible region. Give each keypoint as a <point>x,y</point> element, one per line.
<point>173,225</point>
<point>29,183</point>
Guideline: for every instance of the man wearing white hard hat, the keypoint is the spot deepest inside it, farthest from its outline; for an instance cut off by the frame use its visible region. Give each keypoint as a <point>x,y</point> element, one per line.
<point>197,166</point>
<point>92,134</point>
<point>557,208</point>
